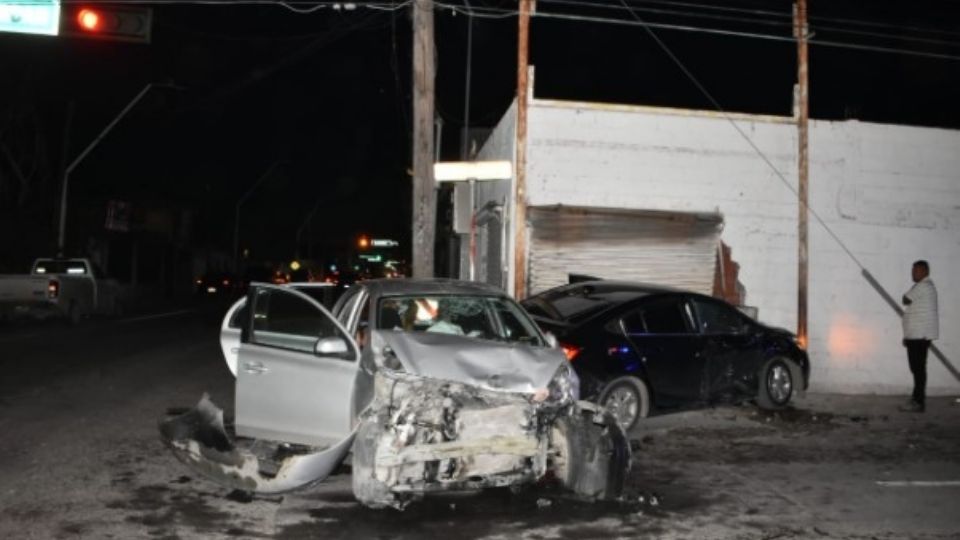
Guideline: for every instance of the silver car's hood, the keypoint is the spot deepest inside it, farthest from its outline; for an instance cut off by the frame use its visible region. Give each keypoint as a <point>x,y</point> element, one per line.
<point>500,366</point>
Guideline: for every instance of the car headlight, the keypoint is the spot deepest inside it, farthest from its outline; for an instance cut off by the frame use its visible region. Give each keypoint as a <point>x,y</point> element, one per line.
<point>564,387</point>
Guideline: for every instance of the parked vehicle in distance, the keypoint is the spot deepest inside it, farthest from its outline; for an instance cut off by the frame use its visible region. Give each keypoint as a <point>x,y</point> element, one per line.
<point>434,385</point>
<point>640,347</point>
<point>218,284</point>
<point>60,288</point>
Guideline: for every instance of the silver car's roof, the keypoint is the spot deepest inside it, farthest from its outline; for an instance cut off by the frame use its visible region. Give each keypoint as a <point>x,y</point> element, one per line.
<point>404,286</point>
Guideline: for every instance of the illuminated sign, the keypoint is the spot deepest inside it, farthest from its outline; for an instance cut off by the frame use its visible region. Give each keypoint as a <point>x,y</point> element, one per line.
<point>30,16</point>
<point>383,242</point>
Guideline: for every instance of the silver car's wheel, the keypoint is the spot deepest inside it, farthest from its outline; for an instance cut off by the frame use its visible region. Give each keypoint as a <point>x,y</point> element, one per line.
<point>627,399</point>
<point>776,384</point>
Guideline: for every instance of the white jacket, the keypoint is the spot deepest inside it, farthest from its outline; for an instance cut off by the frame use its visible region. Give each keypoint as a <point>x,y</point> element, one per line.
<point>920,319</point>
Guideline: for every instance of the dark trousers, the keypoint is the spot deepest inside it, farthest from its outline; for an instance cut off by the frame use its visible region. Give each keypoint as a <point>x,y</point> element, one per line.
<point>917,355</point>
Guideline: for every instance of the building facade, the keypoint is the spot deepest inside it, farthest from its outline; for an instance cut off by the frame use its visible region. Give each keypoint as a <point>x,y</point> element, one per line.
<point>650,194</point>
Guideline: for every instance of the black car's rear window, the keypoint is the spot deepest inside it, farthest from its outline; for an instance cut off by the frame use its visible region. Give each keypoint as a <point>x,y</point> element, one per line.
<point>573,306</point>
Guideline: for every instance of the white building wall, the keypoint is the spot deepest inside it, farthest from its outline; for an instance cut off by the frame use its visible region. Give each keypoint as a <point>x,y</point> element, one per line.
<point>890,193</point>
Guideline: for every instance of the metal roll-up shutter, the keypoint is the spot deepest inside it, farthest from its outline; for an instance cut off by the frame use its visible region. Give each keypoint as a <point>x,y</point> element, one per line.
<point>664,248</point>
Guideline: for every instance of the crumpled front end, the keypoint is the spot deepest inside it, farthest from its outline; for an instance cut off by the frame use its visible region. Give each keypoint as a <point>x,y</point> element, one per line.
<point>423,435</point>
<point>199,439</point>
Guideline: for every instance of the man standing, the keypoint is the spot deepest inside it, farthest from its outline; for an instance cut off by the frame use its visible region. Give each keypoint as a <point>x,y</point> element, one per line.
<point>920,327</point>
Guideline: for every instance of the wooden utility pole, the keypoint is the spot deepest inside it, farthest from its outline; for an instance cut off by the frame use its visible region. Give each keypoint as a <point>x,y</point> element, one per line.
<point>800,31</point>
<point>520,170</point>
<point>424,194</point>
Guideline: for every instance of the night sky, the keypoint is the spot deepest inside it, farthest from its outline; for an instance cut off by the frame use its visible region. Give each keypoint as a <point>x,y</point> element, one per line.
<point>327,95</point>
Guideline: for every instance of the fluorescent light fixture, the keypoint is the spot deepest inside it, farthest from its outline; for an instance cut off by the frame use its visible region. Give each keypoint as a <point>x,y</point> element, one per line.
<point>41,270</point>
<point>76,270</point>
<point>458,171</point>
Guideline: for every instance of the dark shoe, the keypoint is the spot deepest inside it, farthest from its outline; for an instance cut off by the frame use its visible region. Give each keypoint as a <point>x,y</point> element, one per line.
<point>912,406</point>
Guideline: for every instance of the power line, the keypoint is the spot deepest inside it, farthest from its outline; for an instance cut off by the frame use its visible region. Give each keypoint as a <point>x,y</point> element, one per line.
<point>747,138</point>
<point>853,22</point>
<point>705,30</point>
<point>748,20</point>
<point>662,11</point>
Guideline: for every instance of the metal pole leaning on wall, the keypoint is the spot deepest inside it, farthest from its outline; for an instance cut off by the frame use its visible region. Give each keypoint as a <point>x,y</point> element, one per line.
<point>800,31</point>
<point>899,311</point>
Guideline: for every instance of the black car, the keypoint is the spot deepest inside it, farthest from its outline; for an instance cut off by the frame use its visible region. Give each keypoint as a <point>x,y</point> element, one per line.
<point>639,347</point>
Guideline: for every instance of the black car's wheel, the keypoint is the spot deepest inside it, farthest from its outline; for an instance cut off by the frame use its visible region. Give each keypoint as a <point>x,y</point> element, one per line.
<point>627,399</point>
<point>776,384</point>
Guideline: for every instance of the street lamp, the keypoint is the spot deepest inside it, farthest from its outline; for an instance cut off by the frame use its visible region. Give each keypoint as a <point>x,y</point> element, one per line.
<point>73,165</point>
<point>236,213</point>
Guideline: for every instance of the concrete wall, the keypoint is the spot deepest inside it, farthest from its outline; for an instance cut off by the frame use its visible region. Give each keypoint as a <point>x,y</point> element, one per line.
<point>891,194</point>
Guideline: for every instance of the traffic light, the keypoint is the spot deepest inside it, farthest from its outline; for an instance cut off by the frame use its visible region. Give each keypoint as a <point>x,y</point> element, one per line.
<point>107,22</point>
<point>363,242</point>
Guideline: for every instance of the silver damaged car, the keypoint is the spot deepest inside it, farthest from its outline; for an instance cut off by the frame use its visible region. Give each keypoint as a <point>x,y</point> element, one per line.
<point>433,385</point>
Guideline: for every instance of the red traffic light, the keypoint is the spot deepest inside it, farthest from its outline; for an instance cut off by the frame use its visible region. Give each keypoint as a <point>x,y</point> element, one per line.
<point>88,19</point>
<point>108,22</point>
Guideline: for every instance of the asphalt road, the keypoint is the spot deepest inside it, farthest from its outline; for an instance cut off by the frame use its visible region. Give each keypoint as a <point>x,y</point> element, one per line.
<point>80,458</point>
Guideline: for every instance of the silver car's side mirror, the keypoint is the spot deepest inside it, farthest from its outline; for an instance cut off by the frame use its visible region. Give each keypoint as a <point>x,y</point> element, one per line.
<point>552,340</point>
<point>331,346</point>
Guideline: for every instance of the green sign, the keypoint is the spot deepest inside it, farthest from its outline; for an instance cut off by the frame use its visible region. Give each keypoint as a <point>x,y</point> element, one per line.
<point>30,16</point>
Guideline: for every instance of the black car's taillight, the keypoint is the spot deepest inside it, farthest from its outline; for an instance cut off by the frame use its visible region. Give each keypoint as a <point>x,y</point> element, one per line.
<point>571,351</point>
<point>53,288</point>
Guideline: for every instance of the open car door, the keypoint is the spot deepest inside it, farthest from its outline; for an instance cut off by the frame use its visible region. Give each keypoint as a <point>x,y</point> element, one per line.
<point>296,369</point>
<point>296,375</point>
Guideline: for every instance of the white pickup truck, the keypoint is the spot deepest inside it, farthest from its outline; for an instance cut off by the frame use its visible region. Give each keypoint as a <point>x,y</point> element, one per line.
<point>58,287</point>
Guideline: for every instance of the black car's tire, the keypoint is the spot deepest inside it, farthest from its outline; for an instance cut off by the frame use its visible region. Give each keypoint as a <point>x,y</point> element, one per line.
<point>590,460</point>
<point>628,400</point>
<point>776,384</point>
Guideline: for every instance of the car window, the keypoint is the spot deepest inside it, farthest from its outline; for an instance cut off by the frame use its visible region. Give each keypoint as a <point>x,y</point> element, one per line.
<point>239,317</point>
<point>516,326</point>
<point>346,306</point>
<point>471,316</point>
<point>323,295</point>
<point>665,316</point>
<point>286,320</point>
<point>717,318</point>
<point>633,323</point>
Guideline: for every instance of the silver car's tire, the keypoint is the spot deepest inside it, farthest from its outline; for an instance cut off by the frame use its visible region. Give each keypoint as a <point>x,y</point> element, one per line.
<point>591,460</point>
<point>366,488</point>
<point>628,400</point>
<point>776,384</point>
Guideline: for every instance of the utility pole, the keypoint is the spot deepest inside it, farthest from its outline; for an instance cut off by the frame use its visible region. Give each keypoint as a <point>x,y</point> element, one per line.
<point>424,194</point>
<point>800,31</point>
<point>520,195</point>
<point>465,136</point>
